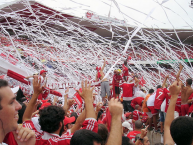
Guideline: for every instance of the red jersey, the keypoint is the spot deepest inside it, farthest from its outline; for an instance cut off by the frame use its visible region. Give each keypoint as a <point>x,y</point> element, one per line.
<point>131,135</point>
<point>136,114</point>
<point>54,139</point>
<point>160,97</point>
<point>127,91</point>
<point>116,79</point>
<point>178,103</point>
<point>9,139</point>
<point>125,70</point>
<point>137,101</point>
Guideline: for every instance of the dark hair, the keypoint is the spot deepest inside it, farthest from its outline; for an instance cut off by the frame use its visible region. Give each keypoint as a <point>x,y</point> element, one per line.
<point>20,96</point>
<point>85,137</point>
<point>126,141</point>
<point>21,112</point>
<point>75,115</point>
<point>103,132</point>
<point>181,130</point>
<point>138,124</point>
<point>39,105</point>
<point>189,81</point>
<point>99,114</point>
<point>159,86</point>
<point>151,91</point>
<point>3,83</point>
<point>50,118</point>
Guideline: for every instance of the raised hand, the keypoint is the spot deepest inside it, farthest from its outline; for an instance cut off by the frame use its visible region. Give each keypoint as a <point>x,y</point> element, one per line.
<point>143,132</point>
<point>175,88</point>
<point>87,91</point>
<point>99,106</point>
<point>115,107</point>
<point>37,85</point>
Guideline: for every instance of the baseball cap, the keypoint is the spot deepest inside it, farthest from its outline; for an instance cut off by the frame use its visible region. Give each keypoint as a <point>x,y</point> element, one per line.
<point>15,90</point>
<point>127,125</point>
<point>42,71</point>
<point>68,120</point>
<point>128,113</point>
<point>119,70</point>
<point>45,105</point>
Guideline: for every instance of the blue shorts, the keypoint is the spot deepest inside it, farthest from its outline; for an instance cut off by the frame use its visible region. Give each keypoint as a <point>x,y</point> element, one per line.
<point>162,118</point>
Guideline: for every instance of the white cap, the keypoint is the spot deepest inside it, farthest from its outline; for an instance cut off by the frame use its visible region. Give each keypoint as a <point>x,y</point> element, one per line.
<point>15,90</point>
<point>127,125</point>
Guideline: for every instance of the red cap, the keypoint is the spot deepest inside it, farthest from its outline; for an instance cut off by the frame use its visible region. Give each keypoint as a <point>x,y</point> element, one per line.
<point>44,101</point>
<point>44,105</point>
<point>42,71</point>
<point>128,113</point>
<point>68,120</point>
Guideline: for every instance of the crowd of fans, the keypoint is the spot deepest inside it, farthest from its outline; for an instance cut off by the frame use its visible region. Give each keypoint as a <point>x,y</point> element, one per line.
<point>124,119</point>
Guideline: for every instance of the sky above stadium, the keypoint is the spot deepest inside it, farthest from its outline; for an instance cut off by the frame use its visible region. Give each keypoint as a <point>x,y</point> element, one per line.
<point>172,14</point>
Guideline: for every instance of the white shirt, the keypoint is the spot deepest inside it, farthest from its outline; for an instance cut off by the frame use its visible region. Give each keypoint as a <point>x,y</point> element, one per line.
<point>35,121</point>
<point>139,94</point>
<point>151,100</point>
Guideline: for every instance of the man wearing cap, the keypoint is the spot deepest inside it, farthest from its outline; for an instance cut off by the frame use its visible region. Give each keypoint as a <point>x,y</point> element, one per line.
<point>126,128</point>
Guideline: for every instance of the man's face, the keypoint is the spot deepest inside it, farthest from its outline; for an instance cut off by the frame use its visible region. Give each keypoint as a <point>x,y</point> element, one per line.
<point>125,130</point>
<point>9,112</point>
<point>146,141</point>
<point>44,74</point>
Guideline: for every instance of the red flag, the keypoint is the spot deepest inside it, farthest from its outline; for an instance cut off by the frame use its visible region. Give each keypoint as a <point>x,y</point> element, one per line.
<point>108,117</point>
<point>142,82</point>
<point>78,98</point>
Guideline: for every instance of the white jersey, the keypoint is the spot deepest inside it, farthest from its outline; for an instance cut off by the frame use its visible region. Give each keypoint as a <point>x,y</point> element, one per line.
<point>139,94</point>
<point>151,100</point>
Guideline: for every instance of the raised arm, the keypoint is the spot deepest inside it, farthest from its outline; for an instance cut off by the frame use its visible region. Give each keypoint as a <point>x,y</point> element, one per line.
<point>79,122</point>
<point>28,77</point>
<point>87,95</point>
<point>178,74</point>
<point>103,64</point>
<point>30,107</point>
<point>174,91</point>
<point>164,82</point>
<point>65,101</point>
<point>115,135</point>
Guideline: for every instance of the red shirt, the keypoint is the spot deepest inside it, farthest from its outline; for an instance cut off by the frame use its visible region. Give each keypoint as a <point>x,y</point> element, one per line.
<point>100,122</point>
<point>127,90</point>
<point>9,139</point>
<point>116,79</point>
<point>90,124</point>
<point>137,101</point>
<point>136,114</point>
<point>131,135</point>
<point>178,103</point>
<point>125,70</point>
<point>160,97</point>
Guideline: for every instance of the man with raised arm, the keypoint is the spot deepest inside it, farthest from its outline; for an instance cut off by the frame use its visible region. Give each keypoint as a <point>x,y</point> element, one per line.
<point>105,89</point>
<point>185,93</point>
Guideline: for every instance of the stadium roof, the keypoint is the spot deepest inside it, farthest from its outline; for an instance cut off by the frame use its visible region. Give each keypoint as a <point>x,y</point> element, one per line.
<point>185,34</point>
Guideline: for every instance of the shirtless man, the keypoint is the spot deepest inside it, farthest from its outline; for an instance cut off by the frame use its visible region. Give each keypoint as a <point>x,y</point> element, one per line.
<point>185,93</point>
<point>105,89</point>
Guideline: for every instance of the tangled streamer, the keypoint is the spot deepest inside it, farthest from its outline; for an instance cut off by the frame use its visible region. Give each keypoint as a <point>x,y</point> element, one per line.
<point>37,37</point>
